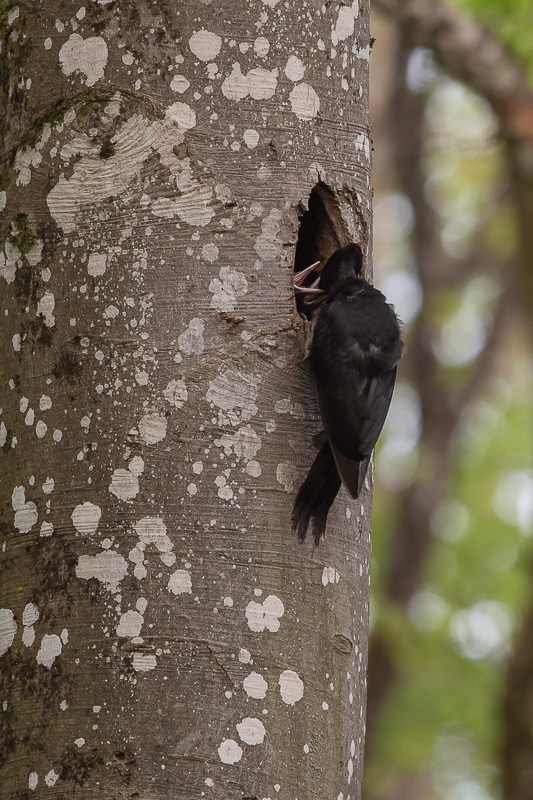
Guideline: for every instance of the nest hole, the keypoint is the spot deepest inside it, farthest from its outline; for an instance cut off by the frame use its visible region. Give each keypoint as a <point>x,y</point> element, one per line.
<point>322,231</point>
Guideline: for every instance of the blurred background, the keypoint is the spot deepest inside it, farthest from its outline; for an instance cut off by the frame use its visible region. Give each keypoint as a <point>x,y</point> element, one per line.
<point>450,709</point>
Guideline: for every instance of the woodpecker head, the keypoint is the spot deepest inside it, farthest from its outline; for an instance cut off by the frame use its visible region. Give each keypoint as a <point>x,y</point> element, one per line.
<point>345,263</point>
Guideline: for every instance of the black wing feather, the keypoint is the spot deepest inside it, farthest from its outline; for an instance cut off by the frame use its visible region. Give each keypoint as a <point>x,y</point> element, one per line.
<point>356,347</point>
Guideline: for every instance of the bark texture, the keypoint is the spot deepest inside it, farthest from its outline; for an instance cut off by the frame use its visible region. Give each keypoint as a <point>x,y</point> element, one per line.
<point>162,633</point>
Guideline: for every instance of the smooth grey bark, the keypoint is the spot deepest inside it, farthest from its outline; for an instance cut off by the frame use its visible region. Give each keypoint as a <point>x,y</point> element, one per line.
<point>162,633</point>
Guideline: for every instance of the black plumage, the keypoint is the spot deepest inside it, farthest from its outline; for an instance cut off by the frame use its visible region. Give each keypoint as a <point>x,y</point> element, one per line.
<point>355,349</point>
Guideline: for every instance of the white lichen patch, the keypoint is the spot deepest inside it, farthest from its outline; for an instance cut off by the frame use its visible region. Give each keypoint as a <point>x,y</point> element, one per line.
<point>8,629</point>
<point>362,52</point>
<point>266,615</point>
<point>182,115</point>
<point>45,402</point>
<point>153,428</point>
<point>136,556</point>
<point>291,687</point>
<point>269,243</point>
<point>251,731</point>
<point>345,24</point>
<point>225,492</point>
<point>294,69</point>
<point>176,393</point>
<point>244,443</point>
<point>40,429</point>
<point>227,288</point>
<point>51,778</point>
<point>86,518</point>
<point>253,468</point>
<point>234,393</point>
<point>330,575</point>
<point>88,56</point>
<point>25,159</point>
<point>230,752</point>
<point>49,650</point>
<point>30,615</point>
<point>28,636</point>
<point>46,529</point>
<point>168,559</point>
<point>305,102</point>
<point>25,513</point>
<point>180,582</point>
<point>191,342</point>
<point>255,686</point>
<point>251,138</point>
<point>153,531</point>
<point>45,309</point>
<point>93,178</point>
<point>97,264</point>
<point>261,46</point>
<point>10,261</point>
<point>362,142</point>
<point>210,252</point>
<point>33,780</point>
<point>286,475</point>
<point>130,624</point>
<point>144,662</point>
<point>191,207</point>
<point>259,83</point>
<point>125,482</point>
<point>107,567</point>
<point>48,486</point>
<point>179,84</point>
<point>205,45</point>
<point>287,406</point>
<point>136,466</point>
<point>245,657</point>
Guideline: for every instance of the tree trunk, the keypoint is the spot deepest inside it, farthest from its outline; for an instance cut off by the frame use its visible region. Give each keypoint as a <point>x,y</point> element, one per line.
<point>162,632</point>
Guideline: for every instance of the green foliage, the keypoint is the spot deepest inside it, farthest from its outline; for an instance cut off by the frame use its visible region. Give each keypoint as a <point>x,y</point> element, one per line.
<point>442,687</point>
<point>451,645</point>
<point>511,20</point>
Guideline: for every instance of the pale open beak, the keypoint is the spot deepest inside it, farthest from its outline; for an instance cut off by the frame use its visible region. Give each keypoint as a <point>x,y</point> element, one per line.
<point>313,293</point>
<point>299,277</point>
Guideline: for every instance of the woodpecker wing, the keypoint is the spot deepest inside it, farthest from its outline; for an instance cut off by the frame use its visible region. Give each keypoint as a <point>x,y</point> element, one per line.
<point>356,346</point>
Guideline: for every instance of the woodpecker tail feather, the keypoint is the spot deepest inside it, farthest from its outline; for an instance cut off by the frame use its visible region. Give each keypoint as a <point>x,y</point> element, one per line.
<point>316,494</point>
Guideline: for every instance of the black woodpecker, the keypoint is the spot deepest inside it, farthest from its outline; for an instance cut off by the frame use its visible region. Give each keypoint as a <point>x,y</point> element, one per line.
<point>355,348</point>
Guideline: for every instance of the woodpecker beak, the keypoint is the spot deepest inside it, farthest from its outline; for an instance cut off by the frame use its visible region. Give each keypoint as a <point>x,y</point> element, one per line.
<point>315,294</point>
<point>299,277</point>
